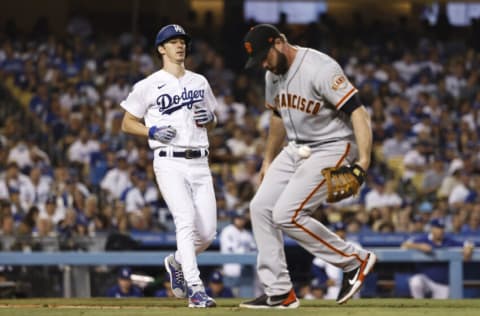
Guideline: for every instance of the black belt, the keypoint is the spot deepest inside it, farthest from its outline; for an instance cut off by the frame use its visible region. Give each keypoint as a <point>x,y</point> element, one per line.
<point>187,154</point>
<point>315,143</point>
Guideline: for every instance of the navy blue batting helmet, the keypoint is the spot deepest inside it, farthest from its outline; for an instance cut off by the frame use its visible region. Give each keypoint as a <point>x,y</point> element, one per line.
<point>170,31</point>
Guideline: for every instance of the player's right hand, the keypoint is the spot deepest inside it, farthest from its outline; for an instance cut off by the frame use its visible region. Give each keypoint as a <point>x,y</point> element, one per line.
<point>163,134</point>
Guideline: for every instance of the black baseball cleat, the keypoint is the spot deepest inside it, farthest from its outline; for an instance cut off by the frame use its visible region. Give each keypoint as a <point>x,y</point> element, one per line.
<point>287,300</point>
<point>353,280</point>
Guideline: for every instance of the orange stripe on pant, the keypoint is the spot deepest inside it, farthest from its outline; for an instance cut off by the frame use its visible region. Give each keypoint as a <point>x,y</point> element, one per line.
<point>347,150</point>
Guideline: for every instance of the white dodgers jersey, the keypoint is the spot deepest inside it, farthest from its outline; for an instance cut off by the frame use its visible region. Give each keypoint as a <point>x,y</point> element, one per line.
<point>163,99</point>
<point>309,97</point>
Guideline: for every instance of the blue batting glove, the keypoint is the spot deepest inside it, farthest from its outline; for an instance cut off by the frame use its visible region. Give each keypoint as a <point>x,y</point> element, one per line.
<point>202,116</point>
<point>163,134</point>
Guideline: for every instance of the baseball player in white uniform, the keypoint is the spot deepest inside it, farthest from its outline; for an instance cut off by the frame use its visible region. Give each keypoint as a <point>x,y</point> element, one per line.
<point>177,107</point>
<point>318,110</point>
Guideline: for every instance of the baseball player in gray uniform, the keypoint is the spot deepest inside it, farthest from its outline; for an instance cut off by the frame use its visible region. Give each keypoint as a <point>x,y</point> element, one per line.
<point>316,107</point>
<point>174,108</point>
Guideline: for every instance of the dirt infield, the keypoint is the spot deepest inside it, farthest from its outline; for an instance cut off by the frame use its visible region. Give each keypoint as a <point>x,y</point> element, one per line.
<point>174,307</point>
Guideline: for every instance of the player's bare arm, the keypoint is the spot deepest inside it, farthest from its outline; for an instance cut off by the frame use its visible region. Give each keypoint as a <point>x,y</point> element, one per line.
<point>363,135</point>
<point>417,246</point>
<point>275,139</point>
<point>133,125</point>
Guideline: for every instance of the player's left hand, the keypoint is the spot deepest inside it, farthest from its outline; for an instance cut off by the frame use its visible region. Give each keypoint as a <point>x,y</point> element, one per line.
<point>343,181</point>
<point>202,116</point>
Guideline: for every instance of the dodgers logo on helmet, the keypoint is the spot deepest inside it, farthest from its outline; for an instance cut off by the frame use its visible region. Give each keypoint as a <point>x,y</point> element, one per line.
<point>170,31</point>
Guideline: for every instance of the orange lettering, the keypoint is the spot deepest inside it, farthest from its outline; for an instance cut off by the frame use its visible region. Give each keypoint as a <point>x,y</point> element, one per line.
<point>301,104</point>
<point>310,102</point>
<point>316,108</point>
<point>294,97</point>
<point>284,104</point>
<point>276,101</point>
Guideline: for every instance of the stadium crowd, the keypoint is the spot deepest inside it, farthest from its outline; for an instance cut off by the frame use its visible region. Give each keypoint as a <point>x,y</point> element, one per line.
<point>68,170</point>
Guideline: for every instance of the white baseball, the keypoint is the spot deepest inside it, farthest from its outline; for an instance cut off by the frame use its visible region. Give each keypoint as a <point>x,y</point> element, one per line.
<point>304,151</point>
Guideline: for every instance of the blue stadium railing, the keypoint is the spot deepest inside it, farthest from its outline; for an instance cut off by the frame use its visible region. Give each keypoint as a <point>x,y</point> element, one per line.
<point>154,258</point>
<point>365,239</point>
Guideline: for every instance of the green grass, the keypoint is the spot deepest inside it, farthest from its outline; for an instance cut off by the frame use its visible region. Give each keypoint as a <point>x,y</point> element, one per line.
<point>175,307</point>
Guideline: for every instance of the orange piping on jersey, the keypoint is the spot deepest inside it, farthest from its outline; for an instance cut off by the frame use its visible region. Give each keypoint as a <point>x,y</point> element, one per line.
<point>345,97</point>
<point>325,243</point>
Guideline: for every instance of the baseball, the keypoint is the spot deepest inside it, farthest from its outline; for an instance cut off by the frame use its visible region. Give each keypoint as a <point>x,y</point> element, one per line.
<point>304,151</point>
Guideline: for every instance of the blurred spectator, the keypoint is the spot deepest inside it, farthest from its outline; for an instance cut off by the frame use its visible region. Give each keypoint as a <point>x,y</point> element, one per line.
<point>118,90</point>
<point>140,201</point>
<point>452,178</point>
<point>29,222</point>
<point>416,160</point>
<point>17,210</point>
<point>433,178</point>
<point>91,215</point>
<point>424,85</point>
<point>231,194</point>
<point>432,278</point>
<point>417,224</point>
<point>216,287</point>
<point>11,63</point>
<point>81,150</point>
<point>117,179</point>
<point>473,224</point>
<point>383,194</point>
<point>41,185</point>
<point>20,154</point>
<point>461,191</point>
<point>166,290</point>
<point>142,61</point>
<point>236,239</point>
<point>51,213</point>
<point>455,80</point>
<point>13,181</point>
<point>317,290</point>
<point>124,286</point>
<point>228,109</point>
<point>396,146</point>
<point>407,67</point>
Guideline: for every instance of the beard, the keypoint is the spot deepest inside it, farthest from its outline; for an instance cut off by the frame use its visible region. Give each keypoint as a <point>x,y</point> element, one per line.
<point>282,65</point>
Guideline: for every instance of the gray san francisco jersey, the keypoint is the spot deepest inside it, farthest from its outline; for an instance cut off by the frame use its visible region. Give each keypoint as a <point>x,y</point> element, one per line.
<point>309,96</point>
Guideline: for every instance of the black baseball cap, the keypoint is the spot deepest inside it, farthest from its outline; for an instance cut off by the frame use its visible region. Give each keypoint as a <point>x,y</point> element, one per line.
<point>258,42</point>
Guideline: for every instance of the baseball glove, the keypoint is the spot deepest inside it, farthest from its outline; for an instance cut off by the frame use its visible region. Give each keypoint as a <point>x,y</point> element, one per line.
<point>343,181</point>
